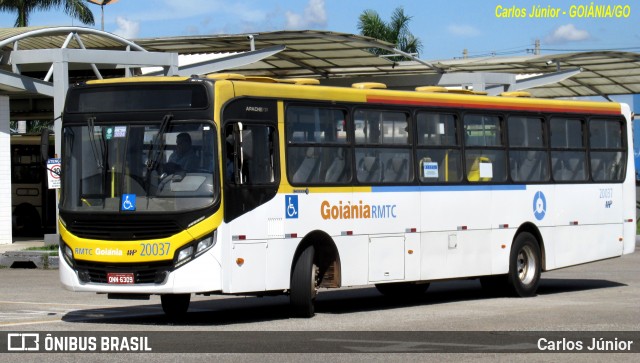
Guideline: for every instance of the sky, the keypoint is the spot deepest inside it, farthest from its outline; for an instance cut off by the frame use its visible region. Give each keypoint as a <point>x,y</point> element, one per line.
<point>445,28</point>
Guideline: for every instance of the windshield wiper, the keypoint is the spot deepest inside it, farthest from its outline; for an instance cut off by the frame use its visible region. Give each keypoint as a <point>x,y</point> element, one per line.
<point>156,149</point>
<point>99,150</point>
<point>158,143</point>
<point>91,121</point>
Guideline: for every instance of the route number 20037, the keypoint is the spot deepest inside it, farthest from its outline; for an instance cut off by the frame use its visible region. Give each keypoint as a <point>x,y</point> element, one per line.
<point>606,193</point>
<point>155,249</point>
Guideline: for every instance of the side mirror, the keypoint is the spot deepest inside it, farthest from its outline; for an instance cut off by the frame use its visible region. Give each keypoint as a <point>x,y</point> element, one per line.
<point>44,146</point>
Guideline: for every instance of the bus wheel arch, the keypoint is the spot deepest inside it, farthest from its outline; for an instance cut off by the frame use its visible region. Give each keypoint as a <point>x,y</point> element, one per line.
<point>326,256</point>
<point>533,229</point>
<point>525,264</point>
<point>314,265</point>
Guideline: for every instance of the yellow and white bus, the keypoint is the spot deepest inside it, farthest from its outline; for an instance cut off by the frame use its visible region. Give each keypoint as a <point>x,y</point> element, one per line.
<point>294,187</point>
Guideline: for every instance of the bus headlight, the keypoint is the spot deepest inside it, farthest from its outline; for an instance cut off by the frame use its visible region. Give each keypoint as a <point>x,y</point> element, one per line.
<point>67,253</point>
<point>195,249</point>
<point>184,255</point>
<point>206,243</point>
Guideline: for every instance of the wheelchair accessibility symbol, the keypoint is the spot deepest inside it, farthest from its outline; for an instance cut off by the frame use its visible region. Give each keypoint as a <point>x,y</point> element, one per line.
<point>291,206</point>
<point>539,205</point>
<point>128,202</point>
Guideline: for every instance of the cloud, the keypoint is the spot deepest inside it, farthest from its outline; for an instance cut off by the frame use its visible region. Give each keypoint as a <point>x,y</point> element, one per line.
<point>127,28</point>
<point>314,15</point>
<point>463,30</point>
<point>567,33</point>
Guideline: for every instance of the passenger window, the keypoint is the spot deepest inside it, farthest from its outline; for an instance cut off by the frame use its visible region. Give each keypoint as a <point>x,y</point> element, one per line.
<point>316,125</point>
<point>566,133</point>
<point>438,155</point>
<point>525,132</point>
<point>390,164</point>
<point>434,129</point>
<point>528,158</point>
<point>316,146</point>
<point>482,130</point>
<point>381,127</point>
<point>607,156</point>
<point>568,153</point>
<point>485,155</point>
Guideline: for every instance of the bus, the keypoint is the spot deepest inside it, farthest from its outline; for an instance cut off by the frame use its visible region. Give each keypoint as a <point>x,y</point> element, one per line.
<point>32,203</point>
<point>299,187</point>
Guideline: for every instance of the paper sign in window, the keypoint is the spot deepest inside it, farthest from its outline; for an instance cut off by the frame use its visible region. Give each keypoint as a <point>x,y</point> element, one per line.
<point>430,169</point>
<point>486,170</point>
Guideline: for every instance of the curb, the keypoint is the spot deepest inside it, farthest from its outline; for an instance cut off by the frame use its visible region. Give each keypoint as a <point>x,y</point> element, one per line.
<point>29,259</point>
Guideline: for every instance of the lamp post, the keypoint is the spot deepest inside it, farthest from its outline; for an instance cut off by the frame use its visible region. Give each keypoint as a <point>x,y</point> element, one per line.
<point>102,3</point>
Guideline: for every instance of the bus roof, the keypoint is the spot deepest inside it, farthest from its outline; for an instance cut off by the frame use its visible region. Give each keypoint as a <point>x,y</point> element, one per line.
<point>376,93</point>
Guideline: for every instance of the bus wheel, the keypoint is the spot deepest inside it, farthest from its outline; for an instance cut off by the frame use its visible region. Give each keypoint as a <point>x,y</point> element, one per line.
<point>524,265</point>
<point>304,284</point>
<point>402,290</point>
<point>175,305</point>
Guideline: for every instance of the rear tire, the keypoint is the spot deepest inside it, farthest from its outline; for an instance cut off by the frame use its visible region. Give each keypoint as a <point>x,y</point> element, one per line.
<point>304,284</point>
<point>175,305</point>
<point>525,265</point>
<point>402,290</point>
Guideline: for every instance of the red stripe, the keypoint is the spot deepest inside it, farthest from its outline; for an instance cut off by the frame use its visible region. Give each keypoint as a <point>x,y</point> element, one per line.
<point>492,106</point>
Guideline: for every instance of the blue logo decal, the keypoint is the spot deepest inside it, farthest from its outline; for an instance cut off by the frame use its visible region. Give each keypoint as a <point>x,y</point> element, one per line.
<point>128,202</point>
<point>539,205</point>
<point>291,206</point>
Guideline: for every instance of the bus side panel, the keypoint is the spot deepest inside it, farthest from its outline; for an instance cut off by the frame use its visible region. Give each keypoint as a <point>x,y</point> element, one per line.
<point>501,240</point>
<point>280,254</point>
<point>589,226</point>
<point>461,225</point>
<point>353,259</point>
<point>434,248</point>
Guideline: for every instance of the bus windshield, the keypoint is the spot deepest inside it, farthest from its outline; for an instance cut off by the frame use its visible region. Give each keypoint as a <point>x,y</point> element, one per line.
<point>161,166</point>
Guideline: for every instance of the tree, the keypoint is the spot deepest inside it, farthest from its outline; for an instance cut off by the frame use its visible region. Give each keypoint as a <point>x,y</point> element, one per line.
<point>33,126</point>
<point>75,8</point>
<point>396,31</point>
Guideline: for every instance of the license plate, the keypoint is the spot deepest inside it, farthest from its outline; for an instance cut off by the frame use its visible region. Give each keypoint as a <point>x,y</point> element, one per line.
<point>120,278</point>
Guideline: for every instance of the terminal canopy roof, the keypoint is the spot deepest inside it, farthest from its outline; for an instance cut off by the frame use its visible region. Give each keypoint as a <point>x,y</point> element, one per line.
<point>329,55</point>
<point>332,56</point>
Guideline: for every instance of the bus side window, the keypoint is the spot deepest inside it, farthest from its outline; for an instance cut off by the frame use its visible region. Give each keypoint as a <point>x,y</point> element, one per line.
<point>607,153</point>
<point>438,154</point>
<point>568,155</point>
<point>485,154</point>
<point>316,140</point>
<point>528,158</point>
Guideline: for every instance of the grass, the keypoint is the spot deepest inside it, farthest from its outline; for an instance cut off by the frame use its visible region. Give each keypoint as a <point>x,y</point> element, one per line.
<point>43,248</point>
<point>52,249</point>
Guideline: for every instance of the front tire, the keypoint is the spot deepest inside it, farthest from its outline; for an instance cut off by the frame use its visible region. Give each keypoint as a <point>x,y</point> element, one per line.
<point>175,305</point>
<point>525,265</point>
<point>304,284</point>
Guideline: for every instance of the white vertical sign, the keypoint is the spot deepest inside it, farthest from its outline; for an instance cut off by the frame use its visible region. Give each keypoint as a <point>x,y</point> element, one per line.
<point>53,173</point>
